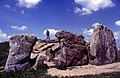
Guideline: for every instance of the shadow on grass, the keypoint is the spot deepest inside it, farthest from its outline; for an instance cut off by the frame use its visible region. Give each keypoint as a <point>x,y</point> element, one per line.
<point>42,74</point>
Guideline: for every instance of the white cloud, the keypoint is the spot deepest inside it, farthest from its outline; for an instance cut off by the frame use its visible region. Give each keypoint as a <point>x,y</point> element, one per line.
<point>52,32</point>
<point>95,24</point>
<point>117,35</point>
<point>19,27</point>
<point>89,6</point>
<point>88,32</point>
<point>83,11</point>
<point>22,11</point>
<point>117,23</point>
<point>3,36</point>
<point>28,3</point>
<point>86,11</point>
<point>7,6</point>
<point>77,10</point>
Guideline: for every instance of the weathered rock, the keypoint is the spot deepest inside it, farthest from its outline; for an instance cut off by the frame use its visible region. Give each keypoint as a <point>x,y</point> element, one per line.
<point>42,49</point>
<point>70,37</point>
<point>103,46</point>
<point>73,49</point>
<point>19,53</point>
<point>39,61</point>
<point>118,54</point>
<point>52,53</point>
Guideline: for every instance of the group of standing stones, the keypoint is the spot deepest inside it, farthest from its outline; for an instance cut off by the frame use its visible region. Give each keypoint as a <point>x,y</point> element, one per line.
<point>74,50</point>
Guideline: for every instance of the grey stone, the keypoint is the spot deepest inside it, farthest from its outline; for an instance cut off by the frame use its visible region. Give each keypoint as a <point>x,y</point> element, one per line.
<point>19,53</point>
<point>102,46</point>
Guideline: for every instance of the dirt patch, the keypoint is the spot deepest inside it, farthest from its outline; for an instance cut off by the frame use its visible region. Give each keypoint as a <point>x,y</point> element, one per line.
<point>85,70</point>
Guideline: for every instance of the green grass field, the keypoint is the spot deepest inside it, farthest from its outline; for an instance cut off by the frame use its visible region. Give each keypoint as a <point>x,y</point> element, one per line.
<point>41,72</point>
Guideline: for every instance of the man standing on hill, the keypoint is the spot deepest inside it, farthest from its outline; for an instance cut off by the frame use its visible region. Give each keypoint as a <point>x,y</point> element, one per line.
<point>47,34</point>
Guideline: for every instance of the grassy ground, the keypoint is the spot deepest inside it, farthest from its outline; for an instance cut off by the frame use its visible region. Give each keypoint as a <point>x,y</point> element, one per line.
<point>41,72</point>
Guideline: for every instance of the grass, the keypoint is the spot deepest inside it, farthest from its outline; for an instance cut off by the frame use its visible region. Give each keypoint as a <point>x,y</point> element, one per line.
<point>41,71</point>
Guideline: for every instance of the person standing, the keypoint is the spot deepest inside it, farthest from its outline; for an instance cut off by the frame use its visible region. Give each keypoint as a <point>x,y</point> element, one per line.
<point>48,34</point>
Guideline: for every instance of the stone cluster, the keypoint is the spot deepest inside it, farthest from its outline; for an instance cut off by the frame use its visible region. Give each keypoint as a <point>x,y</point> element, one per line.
<point>67,50</point>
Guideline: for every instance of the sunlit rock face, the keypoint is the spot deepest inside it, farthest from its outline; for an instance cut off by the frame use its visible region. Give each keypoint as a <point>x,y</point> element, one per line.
<point>19,53</point>
<point>103,46</point>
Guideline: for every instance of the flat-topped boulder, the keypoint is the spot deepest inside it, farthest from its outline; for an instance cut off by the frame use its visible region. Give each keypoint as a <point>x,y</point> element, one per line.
<point>41,48</point>
<point>103,48</point>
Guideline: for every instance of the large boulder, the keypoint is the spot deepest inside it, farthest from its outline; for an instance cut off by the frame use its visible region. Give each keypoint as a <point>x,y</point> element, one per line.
<point>103,46</point>
<point>19,53</point>
<point>73,50</point>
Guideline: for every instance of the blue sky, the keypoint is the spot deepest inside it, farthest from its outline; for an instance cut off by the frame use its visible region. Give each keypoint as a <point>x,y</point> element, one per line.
<point>77,16</point>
